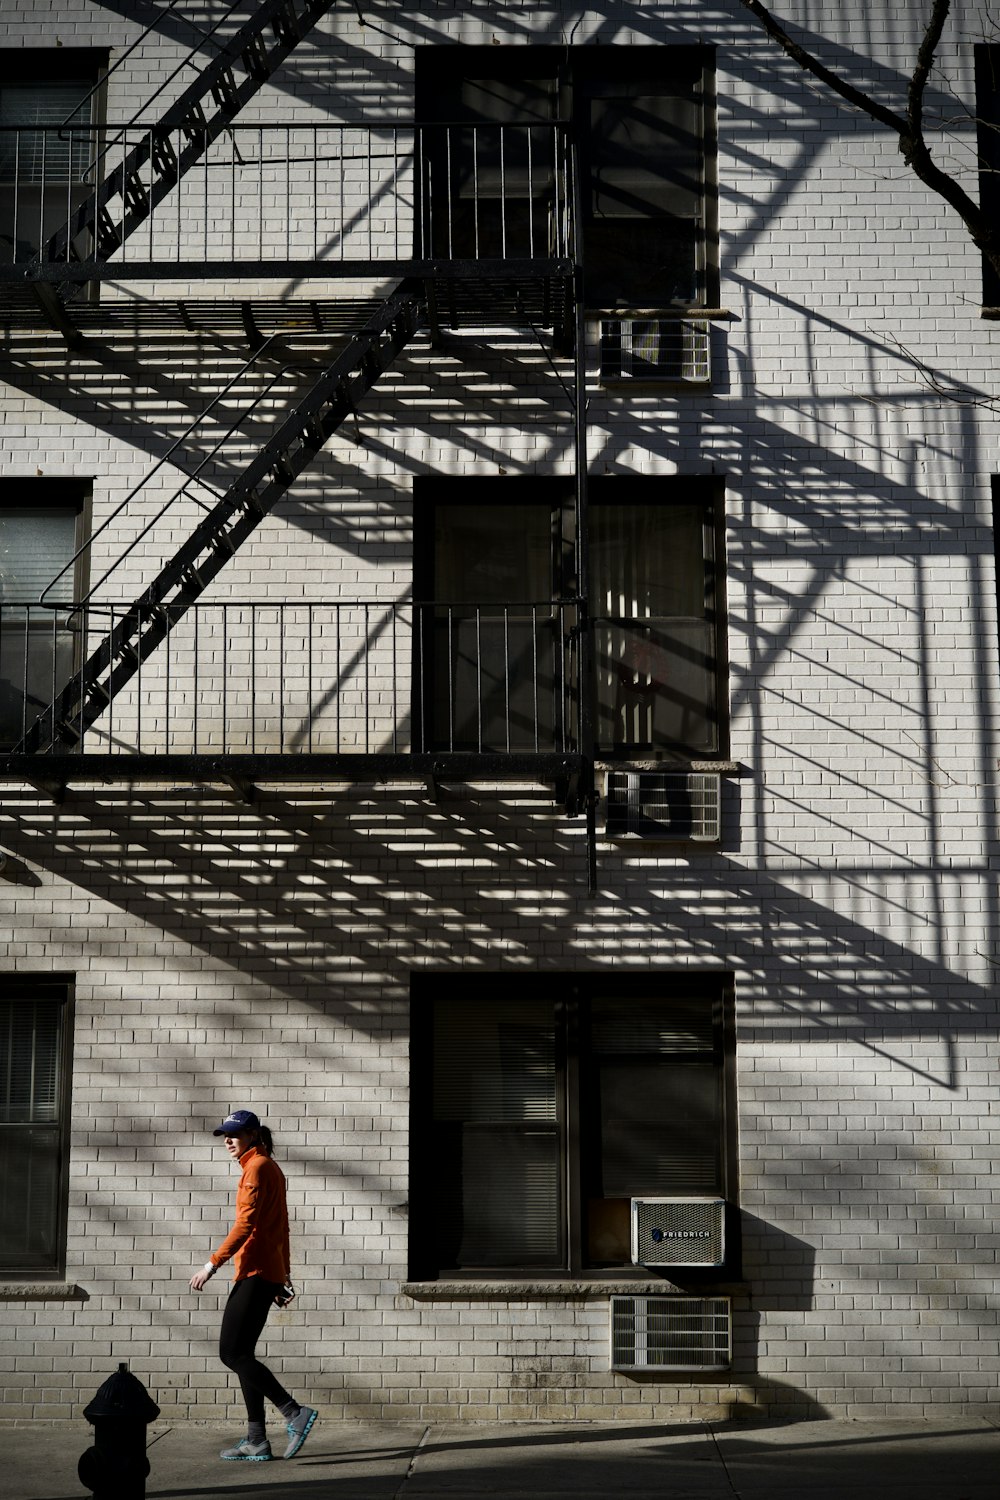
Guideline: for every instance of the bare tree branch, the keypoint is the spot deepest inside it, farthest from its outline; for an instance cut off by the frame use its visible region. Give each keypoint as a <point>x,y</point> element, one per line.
<point>909,128</point>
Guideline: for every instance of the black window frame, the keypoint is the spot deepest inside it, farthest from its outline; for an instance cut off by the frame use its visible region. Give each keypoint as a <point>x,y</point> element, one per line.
<point>573,1121</point>
<point>581,75</point>
<point>50,65</point>
<point>706,493</point>
<point>433,496</point>
<point>987,75</point>
<point>35,990</point>
<point>22,620</point>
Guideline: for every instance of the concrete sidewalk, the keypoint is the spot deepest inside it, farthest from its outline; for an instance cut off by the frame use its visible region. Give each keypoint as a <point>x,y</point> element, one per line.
<point>949,1459</point>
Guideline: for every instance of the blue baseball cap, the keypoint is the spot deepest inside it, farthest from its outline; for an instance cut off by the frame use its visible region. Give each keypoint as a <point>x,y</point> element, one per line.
<point>239,1121</point>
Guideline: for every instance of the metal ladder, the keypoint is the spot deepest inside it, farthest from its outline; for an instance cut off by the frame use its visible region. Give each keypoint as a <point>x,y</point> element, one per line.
<point>252,496</point>
<point>127,196</point>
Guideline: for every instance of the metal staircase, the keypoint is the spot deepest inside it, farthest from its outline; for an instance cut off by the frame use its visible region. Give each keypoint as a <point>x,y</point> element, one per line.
<point>127,196</point>
<point>252,496</point>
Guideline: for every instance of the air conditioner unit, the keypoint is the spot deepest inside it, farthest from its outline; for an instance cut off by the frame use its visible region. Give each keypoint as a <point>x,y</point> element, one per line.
<point>671,1333</point>
<point>678,1231</point>
<point>671,806</point>
<point>659,349</point>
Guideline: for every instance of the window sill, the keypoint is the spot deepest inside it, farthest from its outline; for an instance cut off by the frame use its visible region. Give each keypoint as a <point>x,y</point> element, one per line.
<point>667,761</point>
<point>671,312</point>
<point>580,1288</point>
<point>42,1291</point>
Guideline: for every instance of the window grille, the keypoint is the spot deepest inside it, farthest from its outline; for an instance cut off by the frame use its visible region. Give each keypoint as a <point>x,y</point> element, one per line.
<point>671,1333</point>
<point>655,349</point>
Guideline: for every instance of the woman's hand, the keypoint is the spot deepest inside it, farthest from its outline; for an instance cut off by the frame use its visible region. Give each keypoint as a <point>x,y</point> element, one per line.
<point>200,1278</point>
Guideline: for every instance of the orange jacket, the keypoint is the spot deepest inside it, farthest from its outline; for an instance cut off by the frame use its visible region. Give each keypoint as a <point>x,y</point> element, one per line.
<point>259,1237</point>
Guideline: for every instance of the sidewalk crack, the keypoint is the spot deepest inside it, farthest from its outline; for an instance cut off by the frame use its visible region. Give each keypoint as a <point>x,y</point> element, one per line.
<point>722,1460</point>
<point>397,1494</point>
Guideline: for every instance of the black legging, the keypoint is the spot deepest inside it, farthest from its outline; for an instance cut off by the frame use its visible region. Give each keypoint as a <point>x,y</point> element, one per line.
<point>242,1323</point>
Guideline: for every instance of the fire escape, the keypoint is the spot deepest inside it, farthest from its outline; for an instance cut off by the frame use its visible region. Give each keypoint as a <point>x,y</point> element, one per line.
<point>169,685</point>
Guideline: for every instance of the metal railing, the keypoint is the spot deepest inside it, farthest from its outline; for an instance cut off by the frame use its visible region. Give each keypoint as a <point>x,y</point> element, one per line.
<point>282,195</point>
<point>359,677</point>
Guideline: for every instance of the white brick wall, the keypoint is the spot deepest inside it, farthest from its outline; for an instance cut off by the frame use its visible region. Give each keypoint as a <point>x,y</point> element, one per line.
<point>228,954</point>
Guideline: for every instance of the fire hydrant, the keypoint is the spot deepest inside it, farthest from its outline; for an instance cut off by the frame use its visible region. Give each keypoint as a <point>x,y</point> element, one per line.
<point>115,1468</point>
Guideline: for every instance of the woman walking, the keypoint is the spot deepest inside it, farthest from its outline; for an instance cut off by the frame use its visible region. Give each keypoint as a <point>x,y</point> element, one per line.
<point>258,1246</point>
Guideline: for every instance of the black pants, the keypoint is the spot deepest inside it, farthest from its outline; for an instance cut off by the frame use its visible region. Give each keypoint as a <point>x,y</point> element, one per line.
<point>242,1324</point>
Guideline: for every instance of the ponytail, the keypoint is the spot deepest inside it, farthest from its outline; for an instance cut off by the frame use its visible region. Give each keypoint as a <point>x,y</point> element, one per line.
<point>265,1141</point>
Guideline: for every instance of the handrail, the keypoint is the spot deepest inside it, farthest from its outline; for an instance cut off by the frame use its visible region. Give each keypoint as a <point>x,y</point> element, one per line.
<point>303,676</point>
<point>317,191</point>
<point>190,61</point>
<point>102,81</point>
<point>85,547</point>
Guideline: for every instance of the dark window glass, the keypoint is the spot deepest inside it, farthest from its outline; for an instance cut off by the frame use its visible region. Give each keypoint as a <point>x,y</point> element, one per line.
<point>494,1121</point>
<point>48,106</point>
<point>492,665</point>
<point>988,133</point>
<point>653,599</point>
<point>643,1051</point>
<point>497,663</point>
<point>541,1108</point>
<point>33,1053</point>
<point>38,642</point>
<point>639,119</point>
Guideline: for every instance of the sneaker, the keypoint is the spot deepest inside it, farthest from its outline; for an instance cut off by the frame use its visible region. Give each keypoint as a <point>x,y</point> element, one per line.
<point>299,1429</point>
<point>257,1453</point>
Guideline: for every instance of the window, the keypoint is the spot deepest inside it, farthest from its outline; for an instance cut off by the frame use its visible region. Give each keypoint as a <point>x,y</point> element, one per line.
<point>497,663</point>
<point>34,1090</point>
<point>41,526</point>
<point>48,108</point>
<point>542,1104</point>
<point>642,121</point>
<point>988,134</point>
<point>494,557</point>
<point>654,599</point>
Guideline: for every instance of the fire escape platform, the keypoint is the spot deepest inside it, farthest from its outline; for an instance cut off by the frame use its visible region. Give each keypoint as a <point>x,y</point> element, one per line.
<point>458,294</point>
<point>55,774</point>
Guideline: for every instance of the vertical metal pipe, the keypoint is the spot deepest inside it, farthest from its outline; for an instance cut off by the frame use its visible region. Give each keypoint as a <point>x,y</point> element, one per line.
<point>42,186</point>
<point>586,658</point>
<point>479,678</point>
<point>225,676</point>
<point>337,677</point>
<point>309,677</point>
<point>260,192</point>
<point>281,676</point>
<point>394,703</point>
<point>17,194</point>
<point>368,680</point>
<point>452,190</point>
<point>531,191</point>
<point>253,678</point>
<point>506,675</point>
<point>315,193</point>
<point>503,193</point>
<point>166,692</point>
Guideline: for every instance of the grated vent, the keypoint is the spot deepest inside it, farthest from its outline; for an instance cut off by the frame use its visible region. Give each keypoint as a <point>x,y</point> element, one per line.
<point>655,349</point>
<point>671,1333</point>
<point>678,1231</point>
<point>664,805</point>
